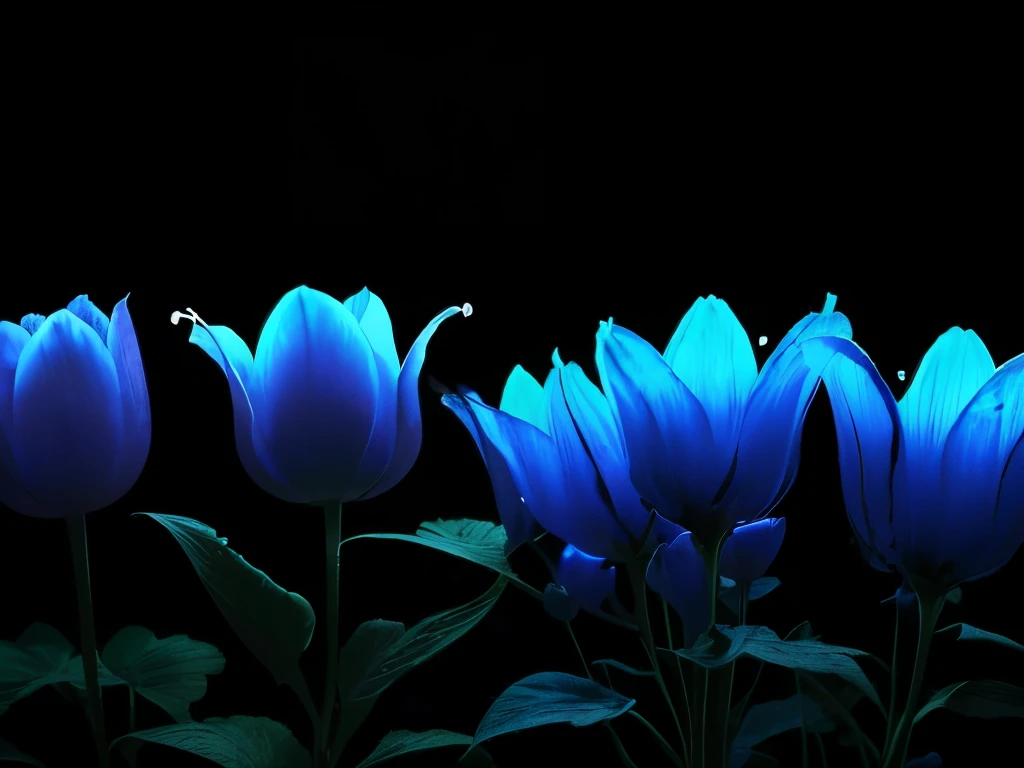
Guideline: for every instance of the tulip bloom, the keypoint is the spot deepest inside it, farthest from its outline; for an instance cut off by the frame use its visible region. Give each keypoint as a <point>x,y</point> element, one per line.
<point>711,442</point>
<point>74,410</point>
<point>934,483</point>
<point>585,578</point>
<point>323,413</point>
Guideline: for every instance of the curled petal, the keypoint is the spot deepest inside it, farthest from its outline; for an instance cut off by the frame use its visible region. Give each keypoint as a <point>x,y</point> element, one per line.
<point>68,418</point>
<point>314,392</point>
<point>677,572</point>
<point>523,397</point>
<point>138,425</point>
<point>13,339</point>
<point>749,551</point>
<point>585,578</point>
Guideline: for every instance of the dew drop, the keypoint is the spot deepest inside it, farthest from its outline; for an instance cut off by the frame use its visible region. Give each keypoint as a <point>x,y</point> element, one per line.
<point>901,375</point>
<point>467,309</point>
<point>522,499</point>
<point>762,340</point>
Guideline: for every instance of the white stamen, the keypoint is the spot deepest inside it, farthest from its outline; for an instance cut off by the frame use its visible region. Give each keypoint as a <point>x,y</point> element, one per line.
<point>467,309</point>
<point>901,375</point>
<point>762,340</point>
<point>188,314</point>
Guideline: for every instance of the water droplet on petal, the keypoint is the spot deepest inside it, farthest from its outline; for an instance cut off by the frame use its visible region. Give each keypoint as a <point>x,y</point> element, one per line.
<point>762,340</point>
<point>467,309</point>
<point>901,375</point>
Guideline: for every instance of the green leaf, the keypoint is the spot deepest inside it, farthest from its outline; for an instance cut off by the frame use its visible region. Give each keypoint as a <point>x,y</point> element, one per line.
<point>837,699</point>
<point>986,699</point>
<point>39,657</point>
<point>624,668</point>
<point>399,743</point>
<point>771,718</point>
<point>967,632</point>
<point>758,589</point>
<point>548,698</point>
<point>234,742</point>
<point>723,645</point>
<point>276,625</point>
<point>11,754</point>
<point>379,652</point>
<point>171,672</point>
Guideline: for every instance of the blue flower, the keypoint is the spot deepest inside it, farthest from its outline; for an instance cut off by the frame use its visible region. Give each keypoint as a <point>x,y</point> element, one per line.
<point>74,410</point>
<point>678,572</point>
<point>710,441</point>
<point>555,457</point>
<point>933,484</point>
<point>750,550</point>
<point>585,578</point>
<point>324,413</point>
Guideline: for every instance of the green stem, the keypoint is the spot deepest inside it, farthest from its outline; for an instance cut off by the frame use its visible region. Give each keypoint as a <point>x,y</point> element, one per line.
<point>579,651</point>
<point>821,750</point>
<point>709,748</point>
<point>665,746</point>
<point>928,613</point>
<point>619,747</point>
<point>333,556</point>
<point>80,557</point>
<point>891,724</point>
<point>679,670</point>
<point>803,723</point>
<point>131,709</point>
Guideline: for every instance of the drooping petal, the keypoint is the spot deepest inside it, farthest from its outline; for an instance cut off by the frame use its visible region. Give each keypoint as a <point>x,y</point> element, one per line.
<point>515,516</point>
<point>677,572</point>
<point>665,431</point>
<point>712,356</point>
<point>748,553</point>
<point>523,397</point>
<point>68,417</point>
<point>767,455</point>
<point>375,322</point>
<point>584,578</point>
<point>13,339</point>
<point>227,349</point>
<point>409,424</point>
<point>314,393</point>
<point>123,346</point>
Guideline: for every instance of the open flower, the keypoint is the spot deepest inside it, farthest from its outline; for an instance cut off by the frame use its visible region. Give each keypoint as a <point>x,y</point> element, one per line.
<point>933,484</point>
<point>324,412</point>
<point>74,410</point>
<point>709,440</point>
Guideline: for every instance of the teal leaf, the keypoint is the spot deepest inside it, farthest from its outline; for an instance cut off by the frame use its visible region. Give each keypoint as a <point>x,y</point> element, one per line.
<point>758,589</point>
<point>548,698</point>
<point>986,699</point>
<point>967,632</point>
<point>723,645</point>
<point>276,625</point>
<point>837,699</point>
<point>39,657</point>
<point>234,742</point>
<point>379,652</point>
<point>763,721</point>
<point>11,754</point>
<point>624,668</point>
<point>171,672</point>
<point>399,743</point>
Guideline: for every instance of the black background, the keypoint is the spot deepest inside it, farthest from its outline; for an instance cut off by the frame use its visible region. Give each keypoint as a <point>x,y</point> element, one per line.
<point>442,170</point>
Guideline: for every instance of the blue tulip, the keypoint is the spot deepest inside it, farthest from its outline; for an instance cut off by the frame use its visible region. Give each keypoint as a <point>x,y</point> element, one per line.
<point>679,573</point>
<point>324,413</point>
<point>934,483</point>
<point>585,578</point>
<point>74,410</point>
<point>750,550</point>
<point>710,441</point>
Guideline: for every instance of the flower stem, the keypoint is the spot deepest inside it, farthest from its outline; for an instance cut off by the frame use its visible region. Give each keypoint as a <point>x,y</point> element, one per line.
<point>131,708</point>
<point>80,557</point>
<point>333,561</point>
<point>710,746</point>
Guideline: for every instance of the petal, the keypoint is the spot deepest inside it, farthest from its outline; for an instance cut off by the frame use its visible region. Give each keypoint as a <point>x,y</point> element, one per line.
<point>314,392</point>
<point>591,417</point>
<point>232,354</point>
<point>665,431</point>
<point>768,452</point>
<point>869,436</point>
<point>68,417</point>
<point>90,314</point>
<point>13,339</point>
<point>931,760</point>
<point>409,434</point>
<point>585,578</point>
<point>523,397</point>
<point>515,517</point>
<point>123,346</point>
<point>375,322</point>
<point>748,553</point>
<point>677,573</point>
<point>712,356</point>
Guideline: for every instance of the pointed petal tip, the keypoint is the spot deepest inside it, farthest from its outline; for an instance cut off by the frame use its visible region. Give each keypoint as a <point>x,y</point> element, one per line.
<point>556,359</point>
<point>830,303</point>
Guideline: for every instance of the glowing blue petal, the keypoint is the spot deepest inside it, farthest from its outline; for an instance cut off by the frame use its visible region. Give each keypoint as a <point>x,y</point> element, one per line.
<point>90,314</point>
<point>523,397</point>
<point>227,349</point>
<point>584,578</point>
<point>749,552</point>
<point>123,346</point>
<point>314,394</point>
<point>375,322</point>
<point>485,425</point>
<point>712,356</point>
<point>13,339</point>
<point>678,574</point>
<point>409,435</point>
<point>666,433</point>
<point>68,417</point>
<point>767,455</point>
